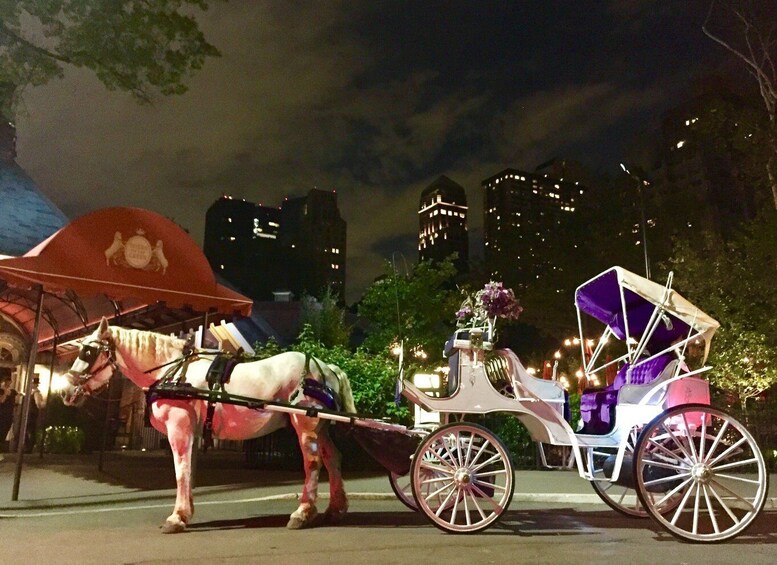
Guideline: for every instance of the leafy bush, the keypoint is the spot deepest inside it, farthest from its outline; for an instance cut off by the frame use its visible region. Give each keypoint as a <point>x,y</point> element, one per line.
<point>63,439</point>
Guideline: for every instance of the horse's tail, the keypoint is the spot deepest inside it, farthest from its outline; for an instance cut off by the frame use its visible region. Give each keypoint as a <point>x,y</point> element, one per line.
<point>346,393</point>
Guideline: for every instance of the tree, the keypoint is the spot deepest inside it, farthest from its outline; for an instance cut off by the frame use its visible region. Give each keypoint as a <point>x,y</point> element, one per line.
<point>734,283</point>
<point>418,308</point>
<point>326,319</point>
<point>748,29</point>
<point>137,46</point>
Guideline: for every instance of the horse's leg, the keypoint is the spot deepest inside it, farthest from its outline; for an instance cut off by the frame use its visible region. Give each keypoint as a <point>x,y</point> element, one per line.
<point>176,419</point>
<point>338,501</point>
<point>308,435</point>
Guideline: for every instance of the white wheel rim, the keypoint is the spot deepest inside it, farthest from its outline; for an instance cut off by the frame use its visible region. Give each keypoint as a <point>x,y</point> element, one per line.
<point>464,480</point>
<point>709,468</point>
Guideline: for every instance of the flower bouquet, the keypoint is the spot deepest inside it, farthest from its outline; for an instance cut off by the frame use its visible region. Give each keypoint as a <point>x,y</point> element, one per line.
<point>483,308</point>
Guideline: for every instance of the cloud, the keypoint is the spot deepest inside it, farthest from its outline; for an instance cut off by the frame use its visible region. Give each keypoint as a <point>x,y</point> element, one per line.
<point>311,95</point>
<point>533,127</point>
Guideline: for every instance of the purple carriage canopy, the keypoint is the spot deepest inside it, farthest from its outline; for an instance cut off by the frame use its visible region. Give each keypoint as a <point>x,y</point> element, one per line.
<point>601,298</point>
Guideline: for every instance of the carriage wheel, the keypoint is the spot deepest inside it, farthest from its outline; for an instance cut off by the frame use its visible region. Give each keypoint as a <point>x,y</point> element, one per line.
<point>402,487</point>
<point>619,497</point>
<point>700,474</point>
<point>462,478</point>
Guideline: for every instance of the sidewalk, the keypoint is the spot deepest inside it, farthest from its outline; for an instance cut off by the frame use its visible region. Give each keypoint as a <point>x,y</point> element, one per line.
<point>73,481</point>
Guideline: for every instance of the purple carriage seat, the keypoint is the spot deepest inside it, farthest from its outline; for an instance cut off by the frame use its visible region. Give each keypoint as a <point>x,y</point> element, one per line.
<point>597,406</point>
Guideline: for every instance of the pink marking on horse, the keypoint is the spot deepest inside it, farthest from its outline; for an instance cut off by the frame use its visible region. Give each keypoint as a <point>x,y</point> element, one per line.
<point>276,378</point>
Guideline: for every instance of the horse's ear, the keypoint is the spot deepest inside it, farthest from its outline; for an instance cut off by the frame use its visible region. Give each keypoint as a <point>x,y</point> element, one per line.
<point>103,329</point>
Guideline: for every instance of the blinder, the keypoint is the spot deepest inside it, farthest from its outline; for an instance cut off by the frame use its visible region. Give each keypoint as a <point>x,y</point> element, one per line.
<point>88,355</point>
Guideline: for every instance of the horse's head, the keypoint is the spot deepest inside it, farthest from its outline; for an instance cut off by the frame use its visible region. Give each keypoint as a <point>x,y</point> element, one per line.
<point>93,368</point>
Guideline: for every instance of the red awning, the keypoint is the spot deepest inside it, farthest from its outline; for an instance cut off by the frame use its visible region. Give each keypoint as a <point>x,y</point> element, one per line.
<point>125,254</point>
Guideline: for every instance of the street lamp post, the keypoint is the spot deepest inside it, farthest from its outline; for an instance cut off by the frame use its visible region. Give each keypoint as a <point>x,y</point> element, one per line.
<point>641,183</point>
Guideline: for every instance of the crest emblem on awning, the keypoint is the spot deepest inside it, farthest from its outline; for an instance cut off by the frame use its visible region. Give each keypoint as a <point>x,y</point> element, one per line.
<point>136,252</point>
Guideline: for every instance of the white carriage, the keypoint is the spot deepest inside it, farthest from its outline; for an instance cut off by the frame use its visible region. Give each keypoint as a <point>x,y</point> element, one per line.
<point>651,446</point>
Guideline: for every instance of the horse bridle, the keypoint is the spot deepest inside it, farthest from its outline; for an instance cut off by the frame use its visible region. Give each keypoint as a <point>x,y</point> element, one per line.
<point>89,354</point>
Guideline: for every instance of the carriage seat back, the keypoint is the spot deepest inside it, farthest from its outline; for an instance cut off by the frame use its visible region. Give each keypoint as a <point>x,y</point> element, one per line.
<point>546,390</point>
<point>597,406</point>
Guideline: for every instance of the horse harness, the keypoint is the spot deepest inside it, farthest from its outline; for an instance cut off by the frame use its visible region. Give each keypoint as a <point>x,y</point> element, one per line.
<point>89,354</point>
<point>218,375</point>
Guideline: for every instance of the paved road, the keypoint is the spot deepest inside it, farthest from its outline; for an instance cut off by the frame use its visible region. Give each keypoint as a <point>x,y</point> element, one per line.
<point>69,513</point>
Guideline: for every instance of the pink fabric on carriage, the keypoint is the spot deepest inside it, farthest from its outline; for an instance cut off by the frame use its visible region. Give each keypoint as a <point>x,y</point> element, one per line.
<point>597,406</point>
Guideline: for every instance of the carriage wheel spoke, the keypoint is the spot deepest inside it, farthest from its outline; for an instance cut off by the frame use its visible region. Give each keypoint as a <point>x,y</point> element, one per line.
<point>675,439</point>
<point>669,453</point>
<point>451,457</point>
<point>483,496</point>
<point>689,435</point>
<point>734,464</point>
<point>493,473</point>
<point>440,490</point>
<point>710,510</point>
<point>444,503</point>
<point>441,459</point>
<point>735,478</point>
<point>682,467</point>
<point>666,479</point>
<point>434,468</point>
<point>734,494</point>
<point>696,500</point>
<point>480,452</point>
<point>726,454</point>
<point>469,451</point>
<point>725,506</point>
<point>681,507</point>
<point>489,485</point>
<point>485,463</point>
<point>703,439</point>
<point>435,480</point>
<point>672,492</point>
<point>721,433</point>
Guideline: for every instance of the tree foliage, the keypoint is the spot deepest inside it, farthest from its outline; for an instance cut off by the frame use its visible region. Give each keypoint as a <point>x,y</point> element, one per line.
<point>372,376</point>
<point>326,319</point>
<point>418,308</point>
<point>734,282</point>
<point>137,46</point>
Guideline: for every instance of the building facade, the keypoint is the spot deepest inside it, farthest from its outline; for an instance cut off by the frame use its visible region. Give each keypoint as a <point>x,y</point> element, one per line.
<point>313,234</point>
<point>701,171</point>
<point>524,219</point>
<point>299,246</point>
<point>442,223</point>
<point>241,244</point>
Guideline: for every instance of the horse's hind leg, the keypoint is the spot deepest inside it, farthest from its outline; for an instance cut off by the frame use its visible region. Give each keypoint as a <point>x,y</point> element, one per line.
<point>308,434</point>
<point>338,501</point>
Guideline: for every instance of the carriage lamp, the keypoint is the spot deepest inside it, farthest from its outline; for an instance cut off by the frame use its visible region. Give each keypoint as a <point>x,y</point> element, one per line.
<point>427,382</point>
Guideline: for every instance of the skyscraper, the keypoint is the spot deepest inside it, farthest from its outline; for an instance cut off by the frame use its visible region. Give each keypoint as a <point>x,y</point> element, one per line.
<point>313,235</point>
<point>442,223</point>
<point>299,246</point>
<point>241,244</point>
<point>524,219</point>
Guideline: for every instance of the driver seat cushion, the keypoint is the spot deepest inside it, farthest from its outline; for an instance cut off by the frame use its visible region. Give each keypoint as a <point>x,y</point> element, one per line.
<point>597,406</point>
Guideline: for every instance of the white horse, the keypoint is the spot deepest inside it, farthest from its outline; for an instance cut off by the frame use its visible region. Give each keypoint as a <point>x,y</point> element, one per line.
<point>140,355</point>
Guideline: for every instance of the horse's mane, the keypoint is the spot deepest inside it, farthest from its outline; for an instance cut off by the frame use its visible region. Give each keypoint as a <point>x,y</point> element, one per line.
<point>145,344</point>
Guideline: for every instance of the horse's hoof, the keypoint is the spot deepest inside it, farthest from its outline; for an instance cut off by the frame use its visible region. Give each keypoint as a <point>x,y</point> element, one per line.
<point>334,516</point>
<point>297,523</point>
<point>173,527</point>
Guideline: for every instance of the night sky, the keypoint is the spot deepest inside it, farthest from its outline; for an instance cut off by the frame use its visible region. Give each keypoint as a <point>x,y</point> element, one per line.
<point>374,100</point>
